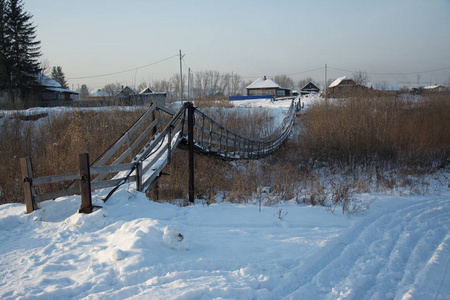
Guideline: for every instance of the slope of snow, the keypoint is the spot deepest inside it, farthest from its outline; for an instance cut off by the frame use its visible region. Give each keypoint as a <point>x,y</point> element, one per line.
<point>137,249</point>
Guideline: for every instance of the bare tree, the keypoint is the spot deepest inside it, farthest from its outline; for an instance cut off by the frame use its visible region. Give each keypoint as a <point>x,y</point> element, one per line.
<point>330,81</point>
<point>113,88</point>
<point>305,81</point>
<point>360,78</point>
<point>44,64</point>
<point>212,83</point>
<point>142,85</point>
<point>284,81</point>
<point>237,87</point>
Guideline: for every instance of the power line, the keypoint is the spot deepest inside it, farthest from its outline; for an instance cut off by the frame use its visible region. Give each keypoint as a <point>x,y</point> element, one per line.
<point>296,73</point>
<point>392,74</point>
<point>129,70</point>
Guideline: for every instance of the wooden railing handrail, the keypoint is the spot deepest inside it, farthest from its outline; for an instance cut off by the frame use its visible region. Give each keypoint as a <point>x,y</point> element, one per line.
<point>223,142</point>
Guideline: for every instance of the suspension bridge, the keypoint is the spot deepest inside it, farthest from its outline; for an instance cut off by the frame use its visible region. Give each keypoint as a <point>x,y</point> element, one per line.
<point>145,149</point>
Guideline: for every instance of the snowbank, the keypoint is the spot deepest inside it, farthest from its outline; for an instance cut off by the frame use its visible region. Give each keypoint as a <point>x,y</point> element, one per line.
<point>135,248</point>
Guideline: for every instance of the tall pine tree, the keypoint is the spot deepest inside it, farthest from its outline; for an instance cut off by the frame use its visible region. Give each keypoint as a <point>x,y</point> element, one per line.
<point>20,50</point>
<point>4,46</point>
<point>58,76</point>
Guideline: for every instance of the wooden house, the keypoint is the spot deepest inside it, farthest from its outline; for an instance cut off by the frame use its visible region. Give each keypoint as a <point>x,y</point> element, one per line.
<point>99,95</point>
<point>344,87</point>
<point>51,93</point>
<point>309,88</point>
<point>267,87</point>
<point>436,88</point>
<point>126,93</point>
<point>148,95</point>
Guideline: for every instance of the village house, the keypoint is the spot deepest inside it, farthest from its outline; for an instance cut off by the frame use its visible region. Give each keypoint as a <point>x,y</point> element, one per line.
<point>309,88</point>
<point>344,87</point>
<point>46,92</point>
<point>127,96</point>
<point>99,95</point>
<point>267,87</point>
<point>436,88</point>
<point>51,93</point>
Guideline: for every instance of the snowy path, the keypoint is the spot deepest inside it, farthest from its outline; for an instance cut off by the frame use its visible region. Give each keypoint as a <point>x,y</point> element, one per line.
<point>399,249</point>
<point>382,257</point>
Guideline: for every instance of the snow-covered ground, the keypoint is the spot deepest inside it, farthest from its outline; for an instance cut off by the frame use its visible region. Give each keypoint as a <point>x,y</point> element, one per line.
<point>133,248</point>
<point>138,249</point>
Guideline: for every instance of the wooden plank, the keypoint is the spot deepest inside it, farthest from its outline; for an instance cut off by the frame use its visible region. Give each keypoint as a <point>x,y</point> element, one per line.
<point>130,150</point>
<point>155,143</point>
<point>111,183</point>
<point>57,194</point>
<point>166,110</point>
<point>125,136</point>
<point>55,178</point>
<point>147,184</point>
<point>111,169</point>
<point>149,147</point>
<point>155,159</point>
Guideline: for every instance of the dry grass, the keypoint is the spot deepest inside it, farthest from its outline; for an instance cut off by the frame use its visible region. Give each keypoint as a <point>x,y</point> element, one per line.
<point>340,148</point>
<point>403,133</point>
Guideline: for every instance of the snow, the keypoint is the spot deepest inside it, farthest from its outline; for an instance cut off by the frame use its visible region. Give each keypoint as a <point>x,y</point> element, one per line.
<point>133,248</point>
<point>137,249</point>
<point>263,82</point>
<point>47,81</point>
<point>338,81</point>
<point>99,93</point>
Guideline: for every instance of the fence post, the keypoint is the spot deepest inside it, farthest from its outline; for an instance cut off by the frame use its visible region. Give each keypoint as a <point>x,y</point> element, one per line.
<point>85,184</point>
<point>191,110</point>
<point>28,189</point>
<point>139,176</point>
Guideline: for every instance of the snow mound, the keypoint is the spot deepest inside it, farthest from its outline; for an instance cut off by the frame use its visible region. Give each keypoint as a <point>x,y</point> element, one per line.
<point>172,238</point>
<point>118,254</point>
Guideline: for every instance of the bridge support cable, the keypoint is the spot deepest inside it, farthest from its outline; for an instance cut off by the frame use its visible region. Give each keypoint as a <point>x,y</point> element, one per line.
<point>205,136</point>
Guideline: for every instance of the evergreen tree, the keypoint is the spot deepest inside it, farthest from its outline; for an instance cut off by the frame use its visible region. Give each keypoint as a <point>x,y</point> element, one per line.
<point>20,50</point>
<point>84,92</point>
<point>4,46</point>
<point>58,76</point>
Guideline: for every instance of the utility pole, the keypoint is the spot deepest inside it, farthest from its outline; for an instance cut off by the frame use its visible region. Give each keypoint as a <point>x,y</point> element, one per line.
<point>181,76</point>
<point>232,83</point>
<point>189,84</point>
<point>325,85</point>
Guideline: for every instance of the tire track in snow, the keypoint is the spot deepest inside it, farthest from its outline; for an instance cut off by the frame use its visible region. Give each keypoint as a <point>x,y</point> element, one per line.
<point>375,258</point>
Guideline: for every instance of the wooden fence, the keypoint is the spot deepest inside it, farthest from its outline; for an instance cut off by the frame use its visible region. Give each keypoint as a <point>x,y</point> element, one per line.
<point>188,126</point>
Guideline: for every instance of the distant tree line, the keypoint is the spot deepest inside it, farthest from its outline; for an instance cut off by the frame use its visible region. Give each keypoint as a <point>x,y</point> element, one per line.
<point>201,85</point>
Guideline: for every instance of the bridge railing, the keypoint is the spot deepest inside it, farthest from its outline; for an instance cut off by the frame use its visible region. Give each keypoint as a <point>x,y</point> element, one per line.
<point>211,137</point>
<point>146,166</point>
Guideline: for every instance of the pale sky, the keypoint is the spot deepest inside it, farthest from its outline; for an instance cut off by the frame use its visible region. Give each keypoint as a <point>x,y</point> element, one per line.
<point>249,38</point>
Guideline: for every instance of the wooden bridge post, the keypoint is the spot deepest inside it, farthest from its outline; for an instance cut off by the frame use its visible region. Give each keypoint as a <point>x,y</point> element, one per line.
<point>191,110</point>
<point>85,184</point>
<point>28,190</point>
<point>139,176</point>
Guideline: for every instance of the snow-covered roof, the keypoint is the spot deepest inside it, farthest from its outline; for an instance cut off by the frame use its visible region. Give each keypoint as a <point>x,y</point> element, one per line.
<point>263,83</point>
<point>309,84</point>
<point>147,91</point>
<point>99,93</point>
<point>47,81</point>
<point>61,90</point>
<point>432,87</point>
<point>338,81</point>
